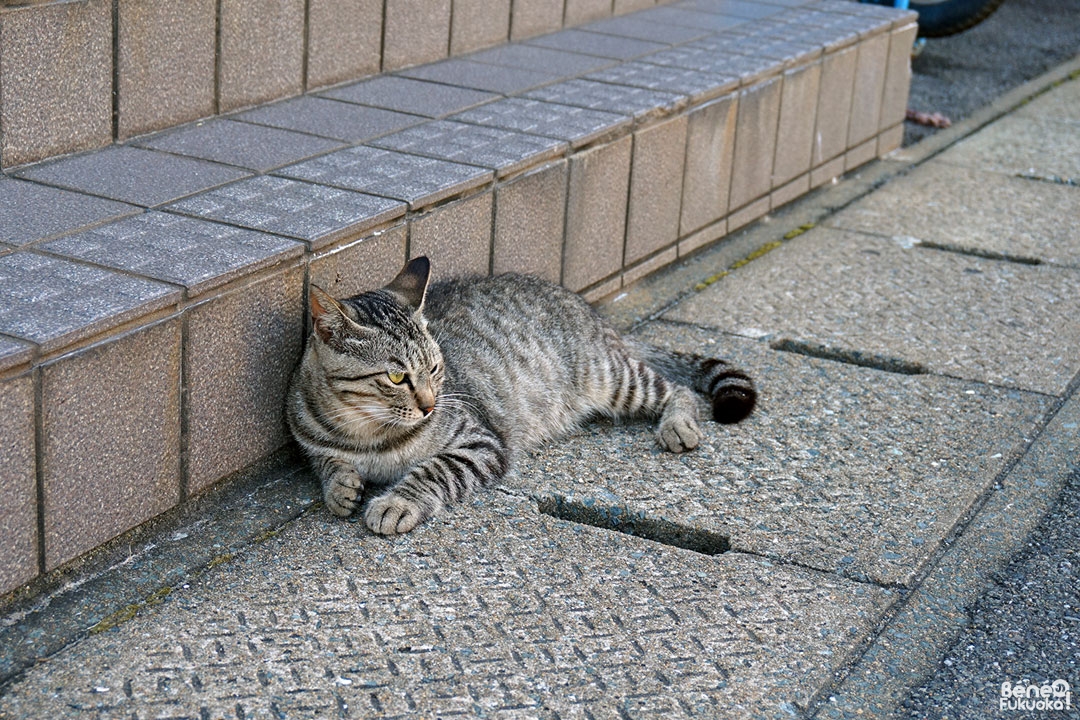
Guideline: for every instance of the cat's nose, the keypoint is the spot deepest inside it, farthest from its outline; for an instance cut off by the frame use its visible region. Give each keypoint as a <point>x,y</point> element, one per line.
<point>427,410</point>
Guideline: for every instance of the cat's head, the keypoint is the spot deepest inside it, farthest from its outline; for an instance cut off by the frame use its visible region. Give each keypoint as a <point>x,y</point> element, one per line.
<point>376,354</point>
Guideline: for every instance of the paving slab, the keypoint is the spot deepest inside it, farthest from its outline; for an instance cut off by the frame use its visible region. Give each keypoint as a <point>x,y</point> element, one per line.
<point>327,118</point>
<point>561,62</point>
<point>598,44</point>
<point>692,18</point>
<point>254,147</point>
<point>697,85</point>
<point>317,214</point>
<point>133,175</point>
<point>840,468</point>
<point>1017,145</point>
<point>636,28</point>
<point>194,253</point>
<point>975,211</point>
<point>482,76</point>
<point>577,126</point>
<point>410,96</point>
<point>34,212</point>
<point>417,180</point>
<point>503,151</point>
<point>54,302</point>
<point>840,293</point>
<point>14,352</point>
<point>639,103</point>
<point>495,611</point>
<point>1060,103</point>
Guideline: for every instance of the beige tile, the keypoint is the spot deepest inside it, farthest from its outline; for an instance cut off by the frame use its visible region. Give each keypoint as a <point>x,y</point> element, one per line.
<point>261,51</point>
<point>344,40</point>
<point>18,484</point>
<point>656,178</point>
<point>748,214</point>
<point>650,265</point>
<point>583,11</point>
<point>755,142</point>
<point>710,143</point>
<point>834,104</point>
<point>860,154</point>
<point>530,218</point>
<point>478,24</point>
<point>534,17</point>
<point>456,237</point>
<point>798,112</point>
<point>827,172</point>
<point>360,265</point>
<point>897,76</point>
<point>110,438</point>
<point>240,349</point>
<point>869,87</point>
<point>890,140</point>
<point>792,190</point>
<point>415,32</point>
<point>701,238</point>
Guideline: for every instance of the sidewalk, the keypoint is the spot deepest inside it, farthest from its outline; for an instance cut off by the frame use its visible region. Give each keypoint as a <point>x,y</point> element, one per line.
<point>916,356</point>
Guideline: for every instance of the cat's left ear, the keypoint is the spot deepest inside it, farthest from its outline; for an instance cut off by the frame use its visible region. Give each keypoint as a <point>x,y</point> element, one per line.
<point>411,283</point>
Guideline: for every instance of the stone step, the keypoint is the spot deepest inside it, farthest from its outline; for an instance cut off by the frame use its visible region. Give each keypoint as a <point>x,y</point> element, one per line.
<point>151,293</point>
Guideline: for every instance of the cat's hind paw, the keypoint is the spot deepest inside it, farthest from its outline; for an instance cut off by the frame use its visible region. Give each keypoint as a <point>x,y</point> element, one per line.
<point>678,433</point>
<point>391,514</point>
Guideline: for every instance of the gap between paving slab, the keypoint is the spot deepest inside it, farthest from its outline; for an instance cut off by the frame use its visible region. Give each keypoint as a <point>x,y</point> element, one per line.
<point>650,297</point>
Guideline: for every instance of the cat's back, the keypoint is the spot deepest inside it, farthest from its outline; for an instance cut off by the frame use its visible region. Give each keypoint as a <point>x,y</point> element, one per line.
<point>519,344</point>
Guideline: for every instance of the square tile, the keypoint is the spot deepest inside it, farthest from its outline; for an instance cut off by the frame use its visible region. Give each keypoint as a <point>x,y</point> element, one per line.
<point>596,213</point>
<point>795,133</point>
<point>456,237</point>
<point>253,147</point>
<point>415,32</point>
<point>406,95</point>
<point>55,80</point>
<point>54,302</point>
<point>734,8</point>
<point>622,7</point>
<point>165,55</point>
<point>260,51</point>
<point>656,177</point>
<point>897,76</point>
<point>755,142</point>
<point>834,104</point>
<point>503,151</point>
<point>133,175</point>
<point>329,118</point>
<point>34,212</point>
<point>868,90</point>
<point>344,40</point>
<point>639,103</point>
<point>110,439</point>
<point>481,76</point>
<point>14,352</point>
<point>598,44</point>
<point>18,483</point>
<point>241,349</point>
<point>196,254</point>
<point>583,11</point>
<point>535,17</point>
<point>316,214</point>
<point>690,19</point>
<point>530,215</point>
<point>477,24</point>
<point>528,57</point>
<point>748,69</point>
<point>710,147</point>
<point>638,28</point>
<point>698,86</point>
<point>578,126</point>
<point>357,266</point>
<point>417,180</point>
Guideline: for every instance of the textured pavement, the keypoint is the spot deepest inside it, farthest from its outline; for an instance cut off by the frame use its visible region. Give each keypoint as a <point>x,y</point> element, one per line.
<point>917,372</point>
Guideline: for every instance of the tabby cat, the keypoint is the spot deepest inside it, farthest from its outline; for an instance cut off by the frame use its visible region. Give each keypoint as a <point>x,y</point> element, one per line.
<point>430,393</point>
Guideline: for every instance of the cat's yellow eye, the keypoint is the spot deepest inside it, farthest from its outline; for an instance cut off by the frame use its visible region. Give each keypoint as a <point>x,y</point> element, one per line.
<point>395,377</point>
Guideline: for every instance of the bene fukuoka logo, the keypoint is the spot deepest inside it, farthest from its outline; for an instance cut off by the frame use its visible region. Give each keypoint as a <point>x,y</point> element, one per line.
<point>1056,695</point>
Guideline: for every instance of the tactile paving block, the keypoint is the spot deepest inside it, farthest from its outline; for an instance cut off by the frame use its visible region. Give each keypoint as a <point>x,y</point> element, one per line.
<point>330,118</point>
<point>578,126</point>
<point>316,214</point>
<point>53,302</point>
<point>748,68</point>
<point>530,57</point>
<point>691,19</point>
<point>639,103</point>
<point>591,43</point>
<point>194,253</point>
<point>698,86</point>
<point>501,150</point>
<point>410,96</point>
<point>482,76</point>
<point>495,611</point>
<point>34,212</point>
<point>14,352</point>
<point>640,29</point>
<point>417,180</point>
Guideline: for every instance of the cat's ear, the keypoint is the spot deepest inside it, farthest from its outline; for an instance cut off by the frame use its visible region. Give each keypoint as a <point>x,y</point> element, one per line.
<point>411,283</point>
<point>328,317</point>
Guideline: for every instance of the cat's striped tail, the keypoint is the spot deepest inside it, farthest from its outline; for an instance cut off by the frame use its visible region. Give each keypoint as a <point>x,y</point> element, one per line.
<point>730,390</point>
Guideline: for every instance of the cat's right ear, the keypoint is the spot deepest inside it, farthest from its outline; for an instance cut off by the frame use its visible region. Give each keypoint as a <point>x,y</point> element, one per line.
<point>328,317</point>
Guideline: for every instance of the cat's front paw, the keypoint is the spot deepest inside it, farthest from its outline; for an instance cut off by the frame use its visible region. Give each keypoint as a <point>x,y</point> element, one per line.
<point>679,433</point>
<point>391,514</point>
<point>341,493</point>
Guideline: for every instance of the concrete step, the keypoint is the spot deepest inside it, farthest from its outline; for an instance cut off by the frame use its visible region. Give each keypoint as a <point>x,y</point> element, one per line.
<point>151,293</point>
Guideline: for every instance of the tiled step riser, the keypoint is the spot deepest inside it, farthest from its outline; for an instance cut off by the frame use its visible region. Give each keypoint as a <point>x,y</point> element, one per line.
<point>110,434</point>
<point>171,63</point>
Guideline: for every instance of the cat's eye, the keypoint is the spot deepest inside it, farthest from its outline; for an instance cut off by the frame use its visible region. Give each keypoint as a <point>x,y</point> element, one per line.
<point>435,368</point>
<point>395,377</point>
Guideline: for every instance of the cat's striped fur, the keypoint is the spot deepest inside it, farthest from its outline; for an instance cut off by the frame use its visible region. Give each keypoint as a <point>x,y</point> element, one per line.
<point>431,393</point>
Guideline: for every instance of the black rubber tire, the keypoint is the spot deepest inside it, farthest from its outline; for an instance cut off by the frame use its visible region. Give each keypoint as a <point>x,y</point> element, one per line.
<point>952,16</point>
